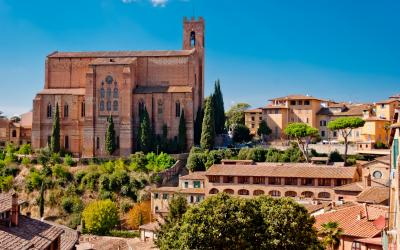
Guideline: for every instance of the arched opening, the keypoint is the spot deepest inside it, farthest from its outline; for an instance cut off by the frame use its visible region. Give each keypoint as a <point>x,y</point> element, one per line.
<point>192,39</point>
<point>214,191</point>
<point>115,92</point>
<point>258,192</point>
<point>290,194</point>
<point>49,110</point>
<point>307,194</point>
<point>101,105</point>
<point>108,106</point>
<point>324,195</point>
<point>177,109</point>
<point>160,106</point>
<point>115,106</point>
<point>66,110</point>
<point>102,92</point>
<point>229,191</point>
<point>275,193</point>
<point>243,192</point>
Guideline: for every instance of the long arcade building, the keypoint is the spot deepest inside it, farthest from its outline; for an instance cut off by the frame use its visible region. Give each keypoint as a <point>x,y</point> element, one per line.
<point>90,86</point>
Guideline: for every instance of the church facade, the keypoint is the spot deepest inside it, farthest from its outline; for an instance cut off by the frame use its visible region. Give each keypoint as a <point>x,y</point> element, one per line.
<point>88,87</point>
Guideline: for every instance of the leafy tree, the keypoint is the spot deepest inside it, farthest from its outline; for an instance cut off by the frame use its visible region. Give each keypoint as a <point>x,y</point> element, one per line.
<point>15,119</point>
<point>198,125</point>
<point>227,222</point>
<point>138,162</point>
<point>68,160</point>
<point>197,162</point>
<point>145,134</point>
<point>331,233</point>
<point>241,133</point>
<point>140,214</point>
<point>25,149</point>
<point>263,130</point>
<point>110,136</point>
<point>25,161</point>
<point>235,114</point>
<point>208,128</point>
<point>344,126</point>
<point>100,217</point>
<point>219,111</point>
<point>182,133</point>
<point>55,132</point>
<point>302,134</point>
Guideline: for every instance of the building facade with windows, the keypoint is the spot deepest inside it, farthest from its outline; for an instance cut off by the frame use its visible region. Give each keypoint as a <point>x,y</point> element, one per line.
<point>88,87</point>
<point>16,132</point>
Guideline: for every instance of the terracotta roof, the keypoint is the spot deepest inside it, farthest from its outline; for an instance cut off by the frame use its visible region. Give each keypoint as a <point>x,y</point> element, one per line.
<point>199,175</point>
<point>152,226</point>
<point>296,97</point>
<point>353,110</point>
<point>150,53</point>
<point>26,120</point>
<point>324,111</point>
<point>270,106</point>
<point>356,221</point>
<point>301,170</point>
<point>371,241</point>
<point>353,187</point>
<point>29,234</point>
<point>69,91</point>
<point>311,208</point>
<point>6,201</point>
<point>387,101</point>
<point>69,237</point>
<point>162,89</point>
<point>113,61</point>
<point>375,195</point>
<point>385,159</point>
<point>337,105</point>
<point>256,110</point>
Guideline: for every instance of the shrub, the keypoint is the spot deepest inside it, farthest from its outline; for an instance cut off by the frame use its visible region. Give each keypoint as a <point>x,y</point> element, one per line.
<point>196,162</point>
<point>124,234</point>
<point>138,162</point>
<point>241,133</point>
<point>6,183</point>
<point>55,158</point>
<point>380,145</point>
<point>140,214</point>
<point>100,217</point>
<point>43,156</point>
<point>25,149</point>
<point>68,160</point>
<point>75,220</point>
<point>257,154</point>
<point>335,156</point>
<point>33,180</point>
<point>25,161</point>
<point>67,203</point>
<point>79,175</point>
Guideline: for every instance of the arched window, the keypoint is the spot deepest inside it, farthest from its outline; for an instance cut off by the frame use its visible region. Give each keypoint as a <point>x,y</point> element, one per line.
<point>290,194</point>
<point>275,193</point>
<point>177,109</point>
<point>108,92</point>
<point>115,92</point>
<point>229,191</point>
<point>109,79</point>
<point>258,192</point>
<point>66,110</point>
<point>324,195</point>
<point>243,192</point>
<point>160,106</point>
<point>115,105</point>
<point>101,105</point>
<point>102,93</point>
<point>192,39</point>
<point>108,105</point>
<point>214,191</point>
<point>49,110</point>
<point>307,194</point>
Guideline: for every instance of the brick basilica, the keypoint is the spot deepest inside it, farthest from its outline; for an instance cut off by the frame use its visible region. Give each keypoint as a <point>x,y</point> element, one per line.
<point>90,86</point>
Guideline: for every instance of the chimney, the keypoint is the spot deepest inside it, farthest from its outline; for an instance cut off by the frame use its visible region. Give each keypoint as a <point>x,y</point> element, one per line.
<point>14,209</point>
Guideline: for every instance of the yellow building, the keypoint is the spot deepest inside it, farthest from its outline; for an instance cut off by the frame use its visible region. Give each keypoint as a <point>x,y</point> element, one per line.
<point>252,118</point>
<point>385,109</point>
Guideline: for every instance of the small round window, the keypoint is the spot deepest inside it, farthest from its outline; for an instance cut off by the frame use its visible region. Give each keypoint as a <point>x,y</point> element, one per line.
<point>377,174</point>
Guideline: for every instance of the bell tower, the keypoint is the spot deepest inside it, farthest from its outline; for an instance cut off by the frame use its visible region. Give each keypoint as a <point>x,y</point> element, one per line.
<point>193,34</point>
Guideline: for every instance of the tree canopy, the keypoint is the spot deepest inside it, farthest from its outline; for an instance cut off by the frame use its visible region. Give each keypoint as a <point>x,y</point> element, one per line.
<point>263,129</point>
<point>235,115</point>
<point>110,136</point>
<point>302,134</point>
<point>219,111</point>
<point>100,216</point>
<point>345,126</point>
<point>227,222</point>
<point>330,234</point>
<point>241,133</point>
<point>208,128</point>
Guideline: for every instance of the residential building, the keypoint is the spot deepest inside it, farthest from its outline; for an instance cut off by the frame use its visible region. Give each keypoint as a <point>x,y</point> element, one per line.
<point>88,87</point>
<point>252,118</point>
<point>362,225</point>
<point>22,232</point>
<point>16,132</point>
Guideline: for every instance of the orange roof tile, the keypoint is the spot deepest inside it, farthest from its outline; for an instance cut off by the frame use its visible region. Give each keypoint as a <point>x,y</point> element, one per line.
<point>199,175</point>
<point>353,187</point>
<point>301,170</point>
<point>256,110</point>
<point>375,195</point>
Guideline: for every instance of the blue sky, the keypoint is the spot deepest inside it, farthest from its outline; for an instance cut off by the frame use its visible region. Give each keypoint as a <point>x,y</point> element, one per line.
<point>343,50</point>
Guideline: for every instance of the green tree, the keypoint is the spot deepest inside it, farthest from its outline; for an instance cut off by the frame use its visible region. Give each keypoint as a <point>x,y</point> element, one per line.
<point>208,128</point>
<point>227,222</point>
<point>345,126</point>
<point>198,125</point>
<point>235,114</point>
<point>302,134</point>
<point>55,132</point>
<point>100,217</point>
<point>145,132</point>
<point>331,233</point>
<point>110,136</point>
<point>41,200</point>
<point>241,133</point>
<point>182,133</point>
<point>263,130</point>
<point>219,110</point>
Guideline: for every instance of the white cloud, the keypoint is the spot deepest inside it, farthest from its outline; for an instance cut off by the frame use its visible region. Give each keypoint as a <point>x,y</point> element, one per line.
<point>159,3</point>
<point>129,1</point>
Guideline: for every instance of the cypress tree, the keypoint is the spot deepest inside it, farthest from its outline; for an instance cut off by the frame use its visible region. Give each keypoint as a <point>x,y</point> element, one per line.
<point>219,110</point>
<point>110,136</point>
<point>208,126</point>
<point>55,133</point>
<point>197,125</point>
<point>182,133</point>
<point>41,200</point>
<point>145,133</point>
